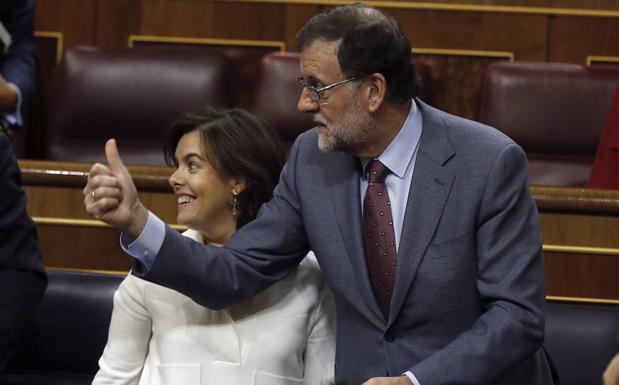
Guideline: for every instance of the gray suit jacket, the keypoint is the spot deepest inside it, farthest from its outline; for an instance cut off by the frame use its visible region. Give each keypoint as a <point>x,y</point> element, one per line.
<point>469,293</point>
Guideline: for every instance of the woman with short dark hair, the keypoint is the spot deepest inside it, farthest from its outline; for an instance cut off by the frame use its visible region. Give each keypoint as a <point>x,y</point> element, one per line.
<point>227,164</point>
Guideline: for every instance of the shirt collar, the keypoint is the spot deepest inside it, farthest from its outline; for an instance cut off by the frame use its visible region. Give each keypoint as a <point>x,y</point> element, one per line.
<point>399,154</point>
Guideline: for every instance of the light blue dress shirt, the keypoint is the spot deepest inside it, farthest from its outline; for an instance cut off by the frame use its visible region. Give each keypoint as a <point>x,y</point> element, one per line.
<point>399,157</point>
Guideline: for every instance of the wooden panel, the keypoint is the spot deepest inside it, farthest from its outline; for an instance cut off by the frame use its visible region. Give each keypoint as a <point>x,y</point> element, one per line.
<point>249,21</point>
<point>575,38</point>
<point>524,35</point>
<point>115,20</point>
<point>580,229</point>
<point>456,81</point>
<point>81,247</point>
<point>177,18</point>
<point>575,219</point>
<point>54,189</point>
<point>75,19</point>
<point>582,275</point>
<point>296,16</point>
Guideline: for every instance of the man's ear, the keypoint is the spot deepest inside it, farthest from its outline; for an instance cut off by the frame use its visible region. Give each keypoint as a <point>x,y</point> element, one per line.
<point>376,91</point>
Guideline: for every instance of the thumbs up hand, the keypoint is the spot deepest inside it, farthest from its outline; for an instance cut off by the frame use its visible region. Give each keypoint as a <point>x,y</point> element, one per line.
<point>110,194</point>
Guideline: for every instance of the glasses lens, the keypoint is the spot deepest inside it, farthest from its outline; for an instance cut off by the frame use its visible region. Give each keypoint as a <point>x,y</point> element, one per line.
<point>314,95</point>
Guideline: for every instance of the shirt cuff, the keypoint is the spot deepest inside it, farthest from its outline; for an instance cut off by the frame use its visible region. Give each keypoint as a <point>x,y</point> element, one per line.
<point>412,377</point>
<point>146,246</point>
<point>14,116</point>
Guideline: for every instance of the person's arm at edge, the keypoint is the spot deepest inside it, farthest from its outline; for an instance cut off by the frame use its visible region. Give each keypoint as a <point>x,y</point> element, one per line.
<point>19,68</point>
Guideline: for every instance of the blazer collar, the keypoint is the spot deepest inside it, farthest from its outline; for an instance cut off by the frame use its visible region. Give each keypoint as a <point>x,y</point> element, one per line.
<point>430,188</point>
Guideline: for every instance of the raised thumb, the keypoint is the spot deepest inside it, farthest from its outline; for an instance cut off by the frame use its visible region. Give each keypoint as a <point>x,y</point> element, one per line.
<point>113,158</point>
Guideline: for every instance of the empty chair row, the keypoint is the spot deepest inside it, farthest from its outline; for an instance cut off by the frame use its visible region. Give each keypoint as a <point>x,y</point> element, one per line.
<point>556,112</point>
<point>135,94</point>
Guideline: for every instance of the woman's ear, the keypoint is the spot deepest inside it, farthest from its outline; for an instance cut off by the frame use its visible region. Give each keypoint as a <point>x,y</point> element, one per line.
<point>237,185</point>
<point>376,91</point>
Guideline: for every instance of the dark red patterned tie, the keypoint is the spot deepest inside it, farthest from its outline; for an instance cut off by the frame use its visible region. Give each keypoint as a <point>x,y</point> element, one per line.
<point>378,235</point>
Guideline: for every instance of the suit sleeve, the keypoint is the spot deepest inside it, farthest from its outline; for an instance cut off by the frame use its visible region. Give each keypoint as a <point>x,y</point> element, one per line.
<point>128,338</point>
<point>18,66</point>
<point>258,255</point>
<point>510,282</point>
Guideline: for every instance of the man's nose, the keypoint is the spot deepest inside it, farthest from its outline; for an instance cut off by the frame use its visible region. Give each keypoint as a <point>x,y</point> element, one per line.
<point>306,103</point>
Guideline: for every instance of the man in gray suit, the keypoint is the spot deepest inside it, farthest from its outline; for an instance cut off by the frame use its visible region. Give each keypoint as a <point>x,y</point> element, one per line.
<point>459,295</point>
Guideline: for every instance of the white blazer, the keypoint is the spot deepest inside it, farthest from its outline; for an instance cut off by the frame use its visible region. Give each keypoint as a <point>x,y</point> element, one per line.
<point>283,336</point>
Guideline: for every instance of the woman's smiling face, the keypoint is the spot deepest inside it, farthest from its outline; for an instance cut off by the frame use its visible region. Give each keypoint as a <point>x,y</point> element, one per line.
<point>203,194</point>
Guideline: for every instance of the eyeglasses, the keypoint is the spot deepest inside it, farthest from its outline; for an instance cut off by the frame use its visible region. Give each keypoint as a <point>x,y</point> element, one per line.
<point>315,91</point>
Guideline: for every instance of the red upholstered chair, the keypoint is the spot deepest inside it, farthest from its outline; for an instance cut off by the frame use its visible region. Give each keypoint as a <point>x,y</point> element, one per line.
<point>605,173</point>
<point>277,92</point>
<point>132,95</point>
<point>556,112</point>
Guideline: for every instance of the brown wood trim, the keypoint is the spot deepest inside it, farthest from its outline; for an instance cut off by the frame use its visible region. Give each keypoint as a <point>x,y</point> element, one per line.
<point>584,300</point>
<point>580,250</point>
<point>53,35</point>
<point>594,59</point>
<point>69,174</point>
<point>155,179</point>
<point>51,221</point>
<point>551,11</point>
<point>132,39</point>
<point>576,200</point>
<point>106,272</point>
<point>465,52</point>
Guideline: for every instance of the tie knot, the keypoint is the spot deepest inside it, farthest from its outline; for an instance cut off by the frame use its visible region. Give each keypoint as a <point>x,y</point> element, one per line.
<point>377,172</point>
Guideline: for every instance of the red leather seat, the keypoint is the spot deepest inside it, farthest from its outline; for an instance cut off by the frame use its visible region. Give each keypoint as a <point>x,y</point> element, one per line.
<point>554,111</point>
<point>276,93</point>
<point>132,95</point>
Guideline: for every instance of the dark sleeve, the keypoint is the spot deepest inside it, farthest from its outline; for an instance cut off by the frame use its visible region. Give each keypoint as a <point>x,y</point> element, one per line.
<point>18,66</point>
<point>22,278</point>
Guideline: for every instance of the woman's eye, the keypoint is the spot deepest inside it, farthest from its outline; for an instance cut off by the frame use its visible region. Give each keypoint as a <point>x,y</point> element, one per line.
<point>192,166</point>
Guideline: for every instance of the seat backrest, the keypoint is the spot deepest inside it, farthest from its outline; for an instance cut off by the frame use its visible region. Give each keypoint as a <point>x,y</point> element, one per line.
<point>276,93</point>
<point>62,342</point>
<point>132,94</point>
<point>554,111</point>
<point>581,340</point>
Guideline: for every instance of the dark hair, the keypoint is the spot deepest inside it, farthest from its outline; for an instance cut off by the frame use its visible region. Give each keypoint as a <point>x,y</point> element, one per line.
<point>238,145</point>
<point>371,43</point>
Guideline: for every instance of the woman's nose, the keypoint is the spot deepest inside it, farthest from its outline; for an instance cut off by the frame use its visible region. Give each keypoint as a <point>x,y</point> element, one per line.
<point>175,179</point>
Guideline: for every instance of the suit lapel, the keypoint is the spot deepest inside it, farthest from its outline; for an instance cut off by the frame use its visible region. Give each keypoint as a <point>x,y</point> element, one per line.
<point>343,176</point>
<point>428,194</point>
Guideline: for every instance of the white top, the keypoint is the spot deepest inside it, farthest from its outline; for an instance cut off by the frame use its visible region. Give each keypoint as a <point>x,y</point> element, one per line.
<point>284,335</point>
